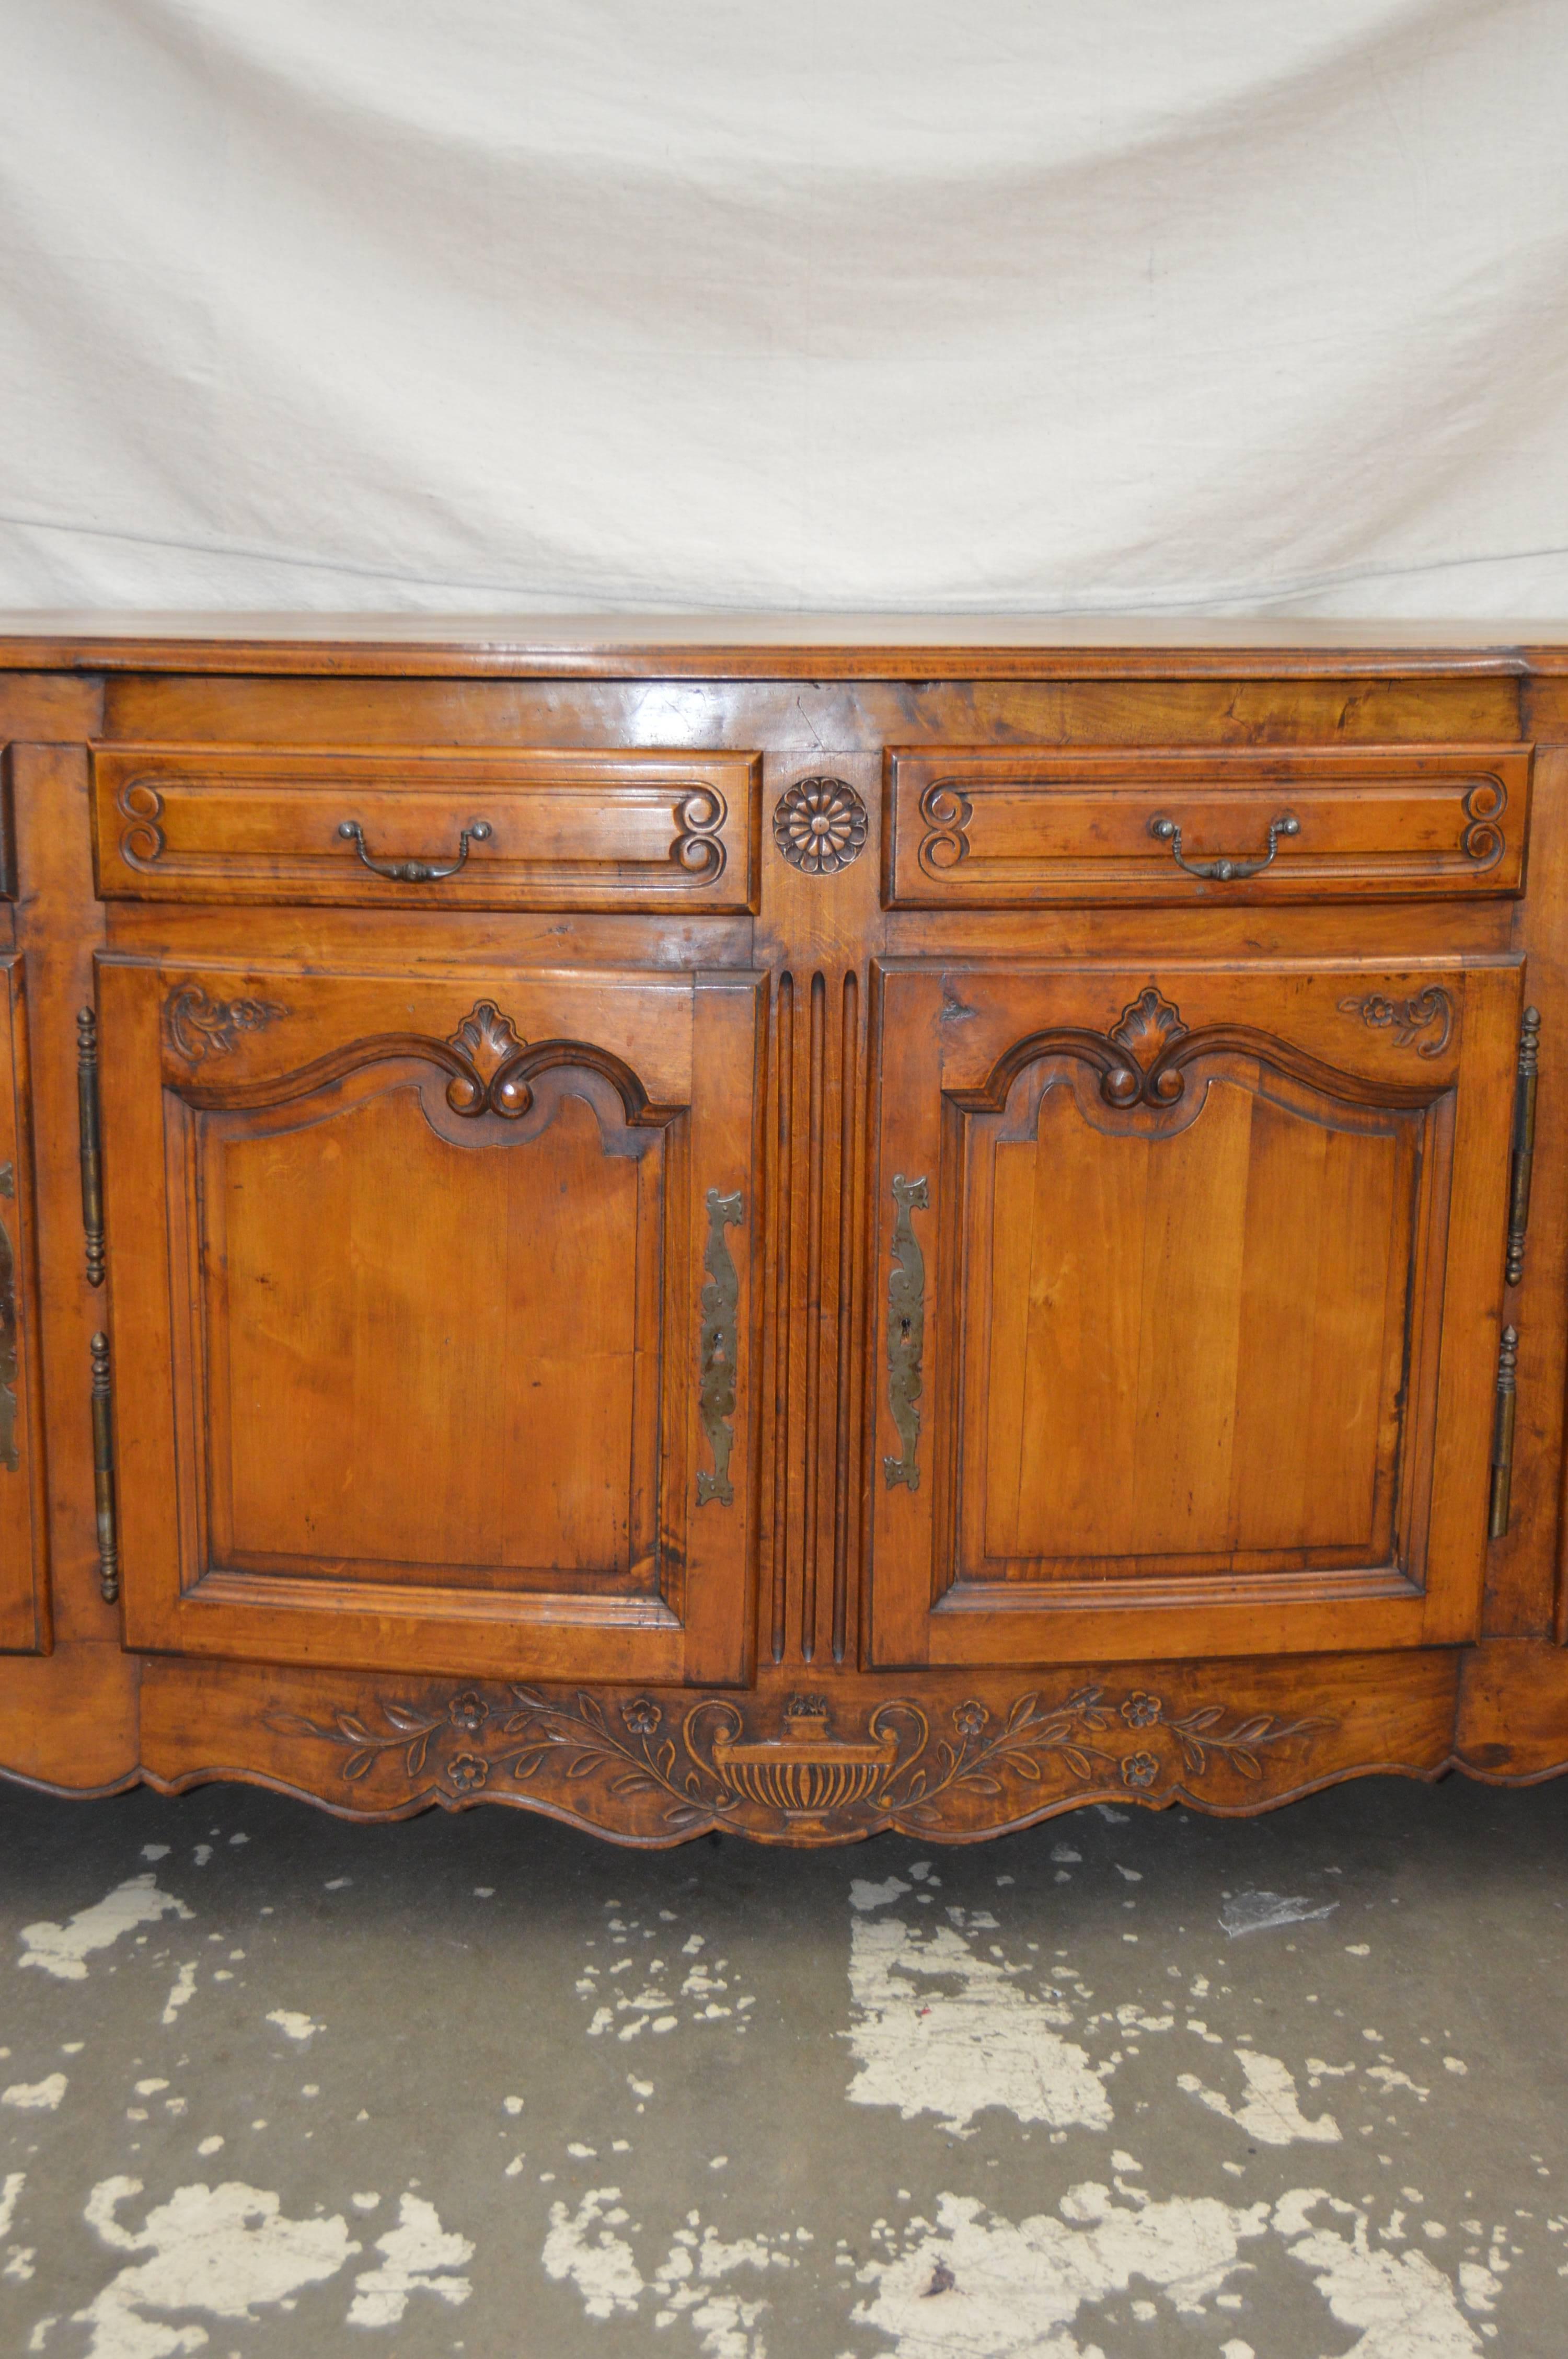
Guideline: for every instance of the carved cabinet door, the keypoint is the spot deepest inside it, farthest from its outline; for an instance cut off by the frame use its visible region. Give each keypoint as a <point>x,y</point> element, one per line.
<point>453,1275</point>
<point>1165,1263</point>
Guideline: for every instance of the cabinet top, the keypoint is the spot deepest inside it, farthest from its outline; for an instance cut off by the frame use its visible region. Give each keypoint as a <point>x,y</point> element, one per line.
<point>792,646</point>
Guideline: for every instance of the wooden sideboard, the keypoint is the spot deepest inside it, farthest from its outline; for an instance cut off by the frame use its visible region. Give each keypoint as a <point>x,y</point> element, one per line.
<point>794,1226</point>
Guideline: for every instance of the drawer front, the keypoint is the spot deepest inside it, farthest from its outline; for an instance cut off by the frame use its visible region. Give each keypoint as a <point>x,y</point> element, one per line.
<point>972,827</point>
<point>544,830</point>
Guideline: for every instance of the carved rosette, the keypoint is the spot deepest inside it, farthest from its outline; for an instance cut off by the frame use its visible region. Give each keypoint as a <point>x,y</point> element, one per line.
<point>662,1769</point>
<point>819,825</point>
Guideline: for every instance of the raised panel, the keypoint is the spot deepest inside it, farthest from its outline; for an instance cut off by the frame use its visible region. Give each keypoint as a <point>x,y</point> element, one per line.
<point>981,827</point>
<point>1185,1345</point>
<point>1182,1254</point>
<point>429,1274</point>
<point>559,828</point>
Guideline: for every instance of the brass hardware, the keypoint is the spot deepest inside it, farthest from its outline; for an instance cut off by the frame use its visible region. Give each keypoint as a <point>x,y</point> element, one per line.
<point>1503,1434</point>
<point>1224,871</point>
<point>9,1457</point>
<point>1407,1018</point>
<point>906,1330</point>
<point>415,871</point>
<point>103,1470</point>
<point>1524,1141</point>
<point>91,1145</point>
<point>716,1396</point>
<point>199,1026</point>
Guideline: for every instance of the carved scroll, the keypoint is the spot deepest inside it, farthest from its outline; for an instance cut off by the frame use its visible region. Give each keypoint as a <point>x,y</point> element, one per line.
<point>199,1026</point>
<point>716,1352</point>
<point>906,1331</point>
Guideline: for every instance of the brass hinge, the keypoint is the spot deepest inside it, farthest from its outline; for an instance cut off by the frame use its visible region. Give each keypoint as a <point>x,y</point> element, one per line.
<point>1503,1434</point>
<point>103,1470</point>
<point>91,1145</point>
<point>1524,1141</point>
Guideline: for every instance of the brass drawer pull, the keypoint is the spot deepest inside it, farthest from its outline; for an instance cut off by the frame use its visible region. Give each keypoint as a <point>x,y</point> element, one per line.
<point>414,872</point>
<point>1224,870</point>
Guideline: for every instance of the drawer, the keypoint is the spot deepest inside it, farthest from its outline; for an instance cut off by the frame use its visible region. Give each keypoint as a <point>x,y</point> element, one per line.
<point>660,832</point>
<point>976,827</point>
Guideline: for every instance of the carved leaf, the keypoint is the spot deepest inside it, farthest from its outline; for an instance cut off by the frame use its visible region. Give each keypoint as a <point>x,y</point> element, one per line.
<point>1247,1763</point>
<point>1205,1717</point>
<point>979,1783</point>
<point>1078,1761</point>
<point>633,1781</point>
<point>666,1757</point>
<point>1026,1766</point>
<point>1023,1712</point>
<point>591,1712</point>
<point>417,1752</point>
<point>1192,1752</point>
<point>585,1764</point>
<point>353,1728</point>
<point>357,1766</point>
<point>403,1716</point>
<point>1248,1731</point>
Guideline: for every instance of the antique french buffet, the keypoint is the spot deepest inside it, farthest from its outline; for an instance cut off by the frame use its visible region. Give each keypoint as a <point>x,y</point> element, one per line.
<point>788,1227</point>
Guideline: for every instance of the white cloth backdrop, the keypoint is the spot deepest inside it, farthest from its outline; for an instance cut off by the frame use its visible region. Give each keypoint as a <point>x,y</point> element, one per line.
<point>1178,305</point>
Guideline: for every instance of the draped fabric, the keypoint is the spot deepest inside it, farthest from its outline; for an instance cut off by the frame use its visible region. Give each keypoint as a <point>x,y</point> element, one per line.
<point>1206,306</point>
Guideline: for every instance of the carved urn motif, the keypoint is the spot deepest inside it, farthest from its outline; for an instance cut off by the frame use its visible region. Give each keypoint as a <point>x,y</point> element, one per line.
<point>804,1770</point>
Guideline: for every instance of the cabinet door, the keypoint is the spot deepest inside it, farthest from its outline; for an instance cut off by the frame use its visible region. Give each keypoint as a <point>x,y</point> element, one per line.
<point>1189,1294</point>
<point>431,1315</point>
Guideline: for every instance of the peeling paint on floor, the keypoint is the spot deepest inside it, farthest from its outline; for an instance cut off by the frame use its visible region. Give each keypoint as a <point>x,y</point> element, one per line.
<point>280,2085</point>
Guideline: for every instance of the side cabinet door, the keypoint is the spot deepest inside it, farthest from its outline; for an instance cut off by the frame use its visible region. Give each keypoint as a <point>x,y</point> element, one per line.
<point>432,1310</point>
<point>1188,1304</point>
<point>24,1627</point>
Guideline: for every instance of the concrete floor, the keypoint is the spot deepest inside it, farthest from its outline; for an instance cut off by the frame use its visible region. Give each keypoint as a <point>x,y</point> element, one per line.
<point>275,2085</point>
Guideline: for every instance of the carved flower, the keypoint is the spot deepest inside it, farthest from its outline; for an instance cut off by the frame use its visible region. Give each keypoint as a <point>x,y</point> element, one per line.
<point>468,1711</point>
<point>1141,1710</point>
<point>1139,1769</point>
<point>819,825</point>
<point>467,1772</point>
<point>971,1716</point>
<point>641,1716</point>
